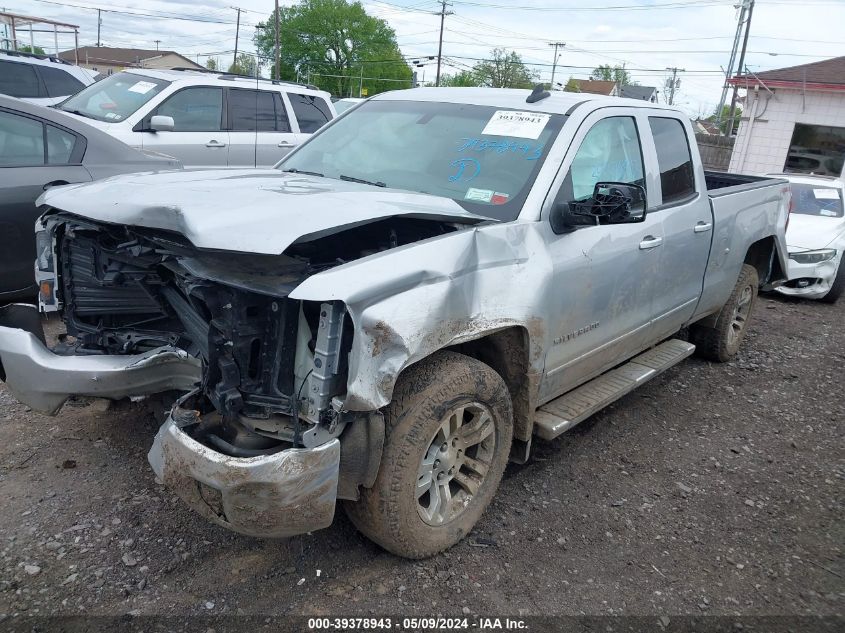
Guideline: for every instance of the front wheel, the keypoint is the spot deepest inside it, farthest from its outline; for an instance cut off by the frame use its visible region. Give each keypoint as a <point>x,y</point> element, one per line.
<point>838,285</point>
<point>448,436</point>
<point>721,341</point>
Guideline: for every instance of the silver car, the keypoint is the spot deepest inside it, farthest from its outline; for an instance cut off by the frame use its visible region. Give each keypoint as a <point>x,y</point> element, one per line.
<point>41,148</point>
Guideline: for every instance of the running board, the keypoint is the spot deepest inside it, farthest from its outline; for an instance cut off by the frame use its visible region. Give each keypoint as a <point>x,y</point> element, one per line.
<point>562,413</point>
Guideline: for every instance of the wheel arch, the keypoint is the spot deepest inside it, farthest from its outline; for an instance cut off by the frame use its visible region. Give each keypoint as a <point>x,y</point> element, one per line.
<point>763,255</point>
<point>508,353</point>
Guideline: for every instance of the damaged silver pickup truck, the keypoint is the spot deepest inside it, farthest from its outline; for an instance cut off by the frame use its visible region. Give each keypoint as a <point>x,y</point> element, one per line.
<point>395,311</point>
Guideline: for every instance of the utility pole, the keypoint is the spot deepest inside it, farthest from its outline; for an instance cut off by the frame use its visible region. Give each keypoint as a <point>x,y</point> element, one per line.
<point>237,33</point>
<point>732,112</point>
<point>443,14</point>
<point>157,43</point>
<point>731,61</point>
<point>278,51</point>
<point>99,22</point>
<point>674,84</point>
<point>554,61</point>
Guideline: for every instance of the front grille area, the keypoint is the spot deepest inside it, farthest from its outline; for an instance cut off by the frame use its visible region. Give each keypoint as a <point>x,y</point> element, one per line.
<point>125,292</point>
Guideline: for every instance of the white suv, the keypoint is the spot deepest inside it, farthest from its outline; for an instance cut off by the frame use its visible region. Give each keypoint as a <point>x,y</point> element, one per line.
<point>204,119</point>
<point>41,79</point>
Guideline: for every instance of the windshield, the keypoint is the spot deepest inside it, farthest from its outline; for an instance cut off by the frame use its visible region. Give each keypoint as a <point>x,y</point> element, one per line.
<point>114,98</point>
<point>816,200</point>
<point>482,157</point>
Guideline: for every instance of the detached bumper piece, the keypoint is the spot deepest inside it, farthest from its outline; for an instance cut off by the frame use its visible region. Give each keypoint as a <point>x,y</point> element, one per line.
<point>281,494</point>
<point>44,380</point>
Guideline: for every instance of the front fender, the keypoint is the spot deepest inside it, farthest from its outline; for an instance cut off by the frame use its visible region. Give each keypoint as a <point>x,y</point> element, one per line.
<point>407,303</point>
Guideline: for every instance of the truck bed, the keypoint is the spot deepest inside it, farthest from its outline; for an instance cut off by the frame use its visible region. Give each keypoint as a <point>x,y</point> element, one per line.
<point>721,183</point>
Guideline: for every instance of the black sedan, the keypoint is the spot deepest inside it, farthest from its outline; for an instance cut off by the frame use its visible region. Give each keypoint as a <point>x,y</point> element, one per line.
<point>41,148</point>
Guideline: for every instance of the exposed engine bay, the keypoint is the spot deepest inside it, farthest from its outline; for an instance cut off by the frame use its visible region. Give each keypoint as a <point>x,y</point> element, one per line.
<point>273,368</point>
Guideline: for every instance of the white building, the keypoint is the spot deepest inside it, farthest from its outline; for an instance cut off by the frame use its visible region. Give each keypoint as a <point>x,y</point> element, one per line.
<point>793,121</point>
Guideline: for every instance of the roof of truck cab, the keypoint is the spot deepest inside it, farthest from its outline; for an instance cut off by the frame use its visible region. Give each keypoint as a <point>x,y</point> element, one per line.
<point>558,102</point>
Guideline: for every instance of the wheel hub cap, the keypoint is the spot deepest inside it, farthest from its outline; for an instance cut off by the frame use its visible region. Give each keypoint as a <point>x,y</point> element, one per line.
<point>455,463</point>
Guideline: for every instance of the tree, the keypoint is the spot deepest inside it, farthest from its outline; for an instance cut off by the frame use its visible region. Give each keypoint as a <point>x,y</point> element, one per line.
<point>336,45</point>
<point>211,63</point>
<point>726,114</point>
<point>26,48</point>
<point>613,73</point>
<point>504,70</point>
<point>244,65</point>
<point>572,85</point>
<point>463,79</point>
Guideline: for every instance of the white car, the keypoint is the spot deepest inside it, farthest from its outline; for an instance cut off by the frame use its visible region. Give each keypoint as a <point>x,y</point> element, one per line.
<point>205,119</point>
<point>816,238</point>
<point>41,79</point>
<point>342,105</point>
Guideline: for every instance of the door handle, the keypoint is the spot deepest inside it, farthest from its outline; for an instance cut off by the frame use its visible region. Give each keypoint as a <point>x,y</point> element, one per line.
<point>703,227</point>
<point>285,144</point>
<point>54,183</point>
<point>214,143</point>
<point>649,241</point>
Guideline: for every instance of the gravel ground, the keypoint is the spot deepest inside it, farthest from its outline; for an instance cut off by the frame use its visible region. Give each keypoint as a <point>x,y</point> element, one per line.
<point>715,489</point>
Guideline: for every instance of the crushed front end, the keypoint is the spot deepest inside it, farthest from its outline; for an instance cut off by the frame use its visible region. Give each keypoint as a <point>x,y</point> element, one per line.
<point>253,441</point>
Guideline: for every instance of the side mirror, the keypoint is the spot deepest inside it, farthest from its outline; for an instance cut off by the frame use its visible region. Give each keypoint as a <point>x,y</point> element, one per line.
<point>160,123</point>
<point>611,203</point>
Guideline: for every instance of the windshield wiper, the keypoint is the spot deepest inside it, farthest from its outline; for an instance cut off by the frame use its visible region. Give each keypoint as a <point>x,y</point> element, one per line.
<point>377,183</point>
<point>77,112</point>
<point>294,170</point>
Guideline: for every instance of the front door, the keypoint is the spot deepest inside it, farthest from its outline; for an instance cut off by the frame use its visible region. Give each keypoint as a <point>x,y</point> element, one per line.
<point>603,276</point>
<point>198,138</point>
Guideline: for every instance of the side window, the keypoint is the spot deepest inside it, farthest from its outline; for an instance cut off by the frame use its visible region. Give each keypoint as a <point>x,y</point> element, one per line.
<point>609,153</point>
<point>197,109</point>
<point>59,83</point>
<point>673,158</point>
<point>282,121</point>
<point>60,144</point>
<point>251,110</point>
<point>311,111</point>
<point>18,80</point>
<point>21,140</point>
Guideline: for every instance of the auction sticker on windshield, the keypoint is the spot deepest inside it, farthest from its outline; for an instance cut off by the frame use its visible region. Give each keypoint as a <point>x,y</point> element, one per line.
<point>142,87</point>
<point>519,124</point>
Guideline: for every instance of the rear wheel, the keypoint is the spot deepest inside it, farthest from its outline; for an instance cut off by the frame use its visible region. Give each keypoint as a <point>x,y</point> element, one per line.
<point>448,436</point>
<point>721,342</point>
<point>838,285</point>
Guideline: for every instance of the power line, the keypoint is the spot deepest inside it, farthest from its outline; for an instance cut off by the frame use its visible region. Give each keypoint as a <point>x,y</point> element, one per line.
<point>635,7</point>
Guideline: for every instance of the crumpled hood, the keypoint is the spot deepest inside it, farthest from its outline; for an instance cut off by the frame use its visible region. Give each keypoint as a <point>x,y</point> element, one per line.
<point>248,210</point>
<point>810,232</point>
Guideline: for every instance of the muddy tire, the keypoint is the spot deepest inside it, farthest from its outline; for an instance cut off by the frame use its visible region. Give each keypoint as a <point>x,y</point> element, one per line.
<point>721,342</point>
<point>838,285</point>
<point>448,434</point>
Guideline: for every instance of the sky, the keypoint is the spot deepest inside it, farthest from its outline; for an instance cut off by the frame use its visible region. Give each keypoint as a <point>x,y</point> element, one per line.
<point>647,36</point>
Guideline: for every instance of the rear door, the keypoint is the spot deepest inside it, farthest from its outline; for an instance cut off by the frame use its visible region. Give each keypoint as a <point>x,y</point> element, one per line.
<point>34,155</point>
<point>198,138</point>
<point>687,225</point>
<point>259,128</point>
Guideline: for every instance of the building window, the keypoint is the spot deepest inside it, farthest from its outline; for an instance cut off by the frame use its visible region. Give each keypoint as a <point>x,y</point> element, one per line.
<point>816,149</point>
